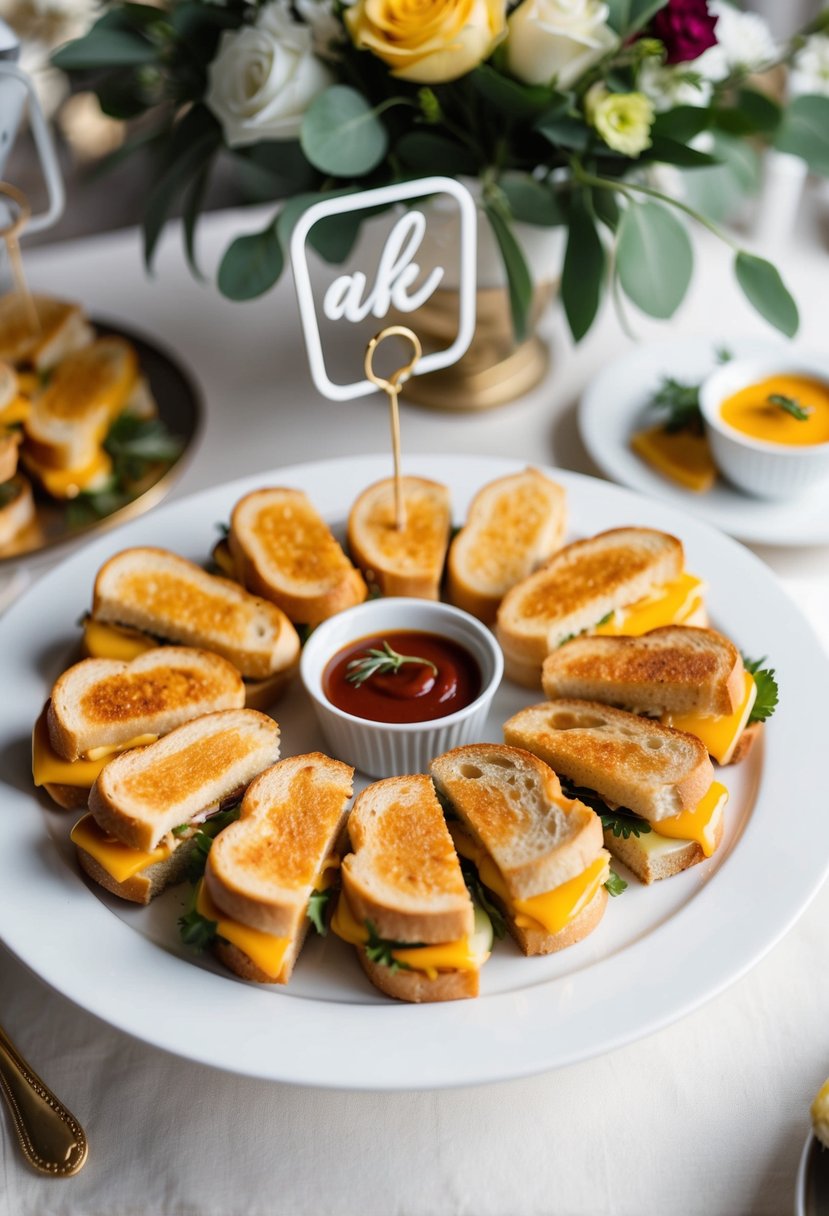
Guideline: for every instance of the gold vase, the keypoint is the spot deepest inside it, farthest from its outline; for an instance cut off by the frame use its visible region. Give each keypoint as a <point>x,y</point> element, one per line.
<point>496,369</point>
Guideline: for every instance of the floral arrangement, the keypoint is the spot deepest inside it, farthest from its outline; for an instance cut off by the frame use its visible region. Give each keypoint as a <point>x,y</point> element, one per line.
<point>618,120</point>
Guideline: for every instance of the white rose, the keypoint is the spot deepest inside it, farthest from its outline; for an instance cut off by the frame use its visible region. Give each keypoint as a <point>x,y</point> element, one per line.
<point>810,69</point>
<point>556,41</point>
<point>264,78</point>
<point>744,43</point>
<point>669,85</point>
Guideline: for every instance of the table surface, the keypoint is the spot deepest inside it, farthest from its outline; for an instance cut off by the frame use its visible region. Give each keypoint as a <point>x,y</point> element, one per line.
<point>708,1116</point>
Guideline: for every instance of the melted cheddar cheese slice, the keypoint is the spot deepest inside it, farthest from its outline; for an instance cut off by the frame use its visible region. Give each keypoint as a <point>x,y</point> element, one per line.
<point>672,604</point>
<point>119,860</point>
<point>699,825</point>
<point>446,956</point>
<point>48,768</point>
<point>18,410</point>
<point>720,734</point>
<point>681,456</point>
<point>111,642</point>
<point>552,910</point>
<point>265,950</point>
<point>68,483</point>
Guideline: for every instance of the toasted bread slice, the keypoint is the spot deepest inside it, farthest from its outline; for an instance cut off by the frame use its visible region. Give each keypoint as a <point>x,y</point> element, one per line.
<point>62,330</point>
<point>141,795</point>
<point>142,887</point>
<point>283,550</point>
<point>403,874</point>
<point>17,508</point>
<point>417,986</point>
<point>512,803</point>
<point>514,525</point>
<point>579,586</point>
<point>9,445</point>
<point>262,869</point>
<point>652,858</point>
<point>171,598</point>
<point>9,387</point>
<point>105,703</point>
<point>675,668</point>
<point>632,762</point>
<point>69,420</point>
<point>407,560</point>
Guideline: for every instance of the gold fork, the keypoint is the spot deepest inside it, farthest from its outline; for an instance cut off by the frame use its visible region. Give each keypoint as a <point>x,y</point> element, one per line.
<point>50,1137</point>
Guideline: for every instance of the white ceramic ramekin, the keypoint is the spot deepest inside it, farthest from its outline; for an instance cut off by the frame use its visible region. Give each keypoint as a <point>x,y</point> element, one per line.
<point>767,470</point>
<point>391,749</point>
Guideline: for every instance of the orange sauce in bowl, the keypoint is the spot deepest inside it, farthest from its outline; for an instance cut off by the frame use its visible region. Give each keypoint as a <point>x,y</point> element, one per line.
<point>750,411</point>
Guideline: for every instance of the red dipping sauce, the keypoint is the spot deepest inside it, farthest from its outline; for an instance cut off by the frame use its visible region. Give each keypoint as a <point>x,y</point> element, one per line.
<point>413,693</point>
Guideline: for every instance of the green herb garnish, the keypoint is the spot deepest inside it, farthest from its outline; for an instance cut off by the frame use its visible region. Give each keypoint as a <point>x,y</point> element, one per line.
<point>182,829</point>
<point>203,839</point>
<point>790,405</point>
<point>723,354</point>
<point>768,693</point>
<point>196,930</point>
<point>223,530</point>
<point>317,910</point>
<point>680,401</point>
<point>379,950</point>
<point>135,444</point>
<point>615,885</point>
<point>625,824</point>
<point>380,662</point>
<point>608,616</point>
<point>480,896</point>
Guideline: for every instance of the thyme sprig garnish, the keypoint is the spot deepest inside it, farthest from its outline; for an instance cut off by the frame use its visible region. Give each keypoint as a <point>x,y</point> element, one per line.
<point>381,661</point>
<point>790,405</point>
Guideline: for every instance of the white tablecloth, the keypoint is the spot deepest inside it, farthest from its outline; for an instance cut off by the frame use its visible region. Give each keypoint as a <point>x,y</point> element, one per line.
<point>707,1117</point>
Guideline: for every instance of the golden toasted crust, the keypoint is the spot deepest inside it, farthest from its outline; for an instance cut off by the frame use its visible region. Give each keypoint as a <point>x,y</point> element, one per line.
<point>9,444</point>
<point>582,583</point>
<point>18,342</point>
<point>157,591</point>
<point>105,702</point>
<point>404,875</point>
<point>409,560</point>
<point>18,513</point>
<point>141,888</point>
<point>142,794</point>
<point>514,524</point>
<point>284,551</point>
<point>513,805</point>
<point>746,742</point>
<point>70,797</point>
<point>416,986</point>
<point>634,762</point>
<point>534,942</point>
<point>237,961</point>
<point>675,668</point>
<point>261,869</point>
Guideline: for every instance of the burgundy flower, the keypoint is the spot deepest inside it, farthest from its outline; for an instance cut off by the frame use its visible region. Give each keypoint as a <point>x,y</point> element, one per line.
<point>686,27</point>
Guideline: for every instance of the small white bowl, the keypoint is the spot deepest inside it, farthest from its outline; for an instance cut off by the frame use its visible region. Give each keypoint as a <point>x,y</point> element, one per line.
<point>767,470</point>
<point>391,749</point>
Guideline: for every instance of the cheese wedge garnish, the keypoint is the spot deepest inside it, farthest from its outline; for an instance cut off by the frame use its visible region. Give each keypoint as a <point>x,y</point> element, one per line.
<point>682,456</point>
<point>552,910</point>
<point>68,483</point>
<point>699,825</point>
<point>119,860</point>
<point>446,956</point>
<point>672,604</point>
<point>111,642</point>
<point>48,768</point>
<point>719,733</point>
<point>265,950</point>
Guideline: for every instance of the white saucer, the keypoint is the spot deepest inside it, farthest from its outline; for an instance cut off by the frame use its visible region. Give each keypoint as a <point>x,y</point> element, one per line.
<point>615,404</point>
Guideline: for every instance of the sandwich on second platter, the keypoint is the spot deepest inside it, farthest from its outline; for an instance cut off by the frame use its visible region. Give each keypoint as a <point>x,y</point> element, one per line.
<point>538,853</point>
<point>654,786</point>
<point>149,806</point>
<point>404,903</point>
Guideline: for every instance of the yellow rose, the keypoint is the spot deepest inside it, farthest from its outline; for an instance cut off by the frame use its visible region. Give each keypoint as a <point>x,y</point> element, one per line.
<point>623,120</point>
<point>428,41</point>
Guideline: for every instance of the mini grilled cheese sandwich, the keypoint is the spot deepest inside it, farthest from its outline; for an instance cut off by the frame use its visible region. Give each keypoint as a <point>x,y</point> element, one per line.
<point>406,560</point>
<point>61,330</point>
<point>539,853</point>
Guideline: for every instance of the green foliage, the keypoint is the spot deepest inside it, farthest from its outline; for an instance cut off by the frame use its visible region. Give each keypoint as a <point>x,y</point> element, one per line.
<point>564,130</point>
<point>317,910</point>
<point>342,133</point>
<point>718,191</point>
<point>768,692</point>
<point>789,405</point>
<point>196,930</point>
<point>379,950</point>
<point>804,131</point>
<point>680,403</point>
<point>681,123</point>
<point>615,885</point>
<point>654,258</point>
<point>516,101</point>
<point>137,444</point>
<point>121,38</point>
<point>752,113</point>
<point>532,202</point>
<point>428,152</point>
<point>519,280</point>
<point>582,279</point>
<point>627,16</point>
<point>194,143</point>
<point>766,292</point>
<point>479,894</point>
<point>251,265</point>
<point>205,834</point>
<point>624,824</point>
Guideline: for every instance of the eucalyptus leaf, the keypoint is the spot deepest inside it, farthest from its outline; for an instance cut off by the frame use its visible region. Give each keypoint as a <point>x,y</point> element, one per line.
<point>682,122</point>
<point>532,202</point>
<point>564,131</point>
<point>342,134</point>
<point>168,188</point>
<point>105,47</point>
<point>654,258</point>
<point>428,152</point>
<point>519,280</point>
<point>193,202</point>
<point>511,98</point>
<point>804,131</point>
<point>582,279</point>
<point>766,292</point>
<point>670,151</point>
<point>251,265</point>
<point>752,113</point>
<point>719,191</point>
<point>627,16</point>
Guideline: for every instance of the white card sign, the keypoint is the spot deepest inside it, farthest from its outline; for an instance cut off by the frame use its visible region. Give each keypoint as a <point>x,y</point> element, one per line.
<point>398,283</point>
